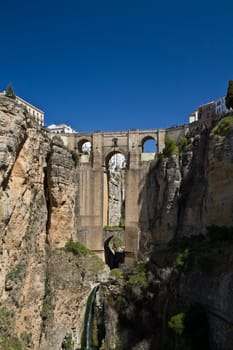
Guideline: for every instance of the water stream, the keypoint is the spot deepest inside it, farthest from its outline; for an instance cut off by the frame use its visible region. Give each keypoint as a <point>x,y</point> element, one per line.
<point>87,339</point>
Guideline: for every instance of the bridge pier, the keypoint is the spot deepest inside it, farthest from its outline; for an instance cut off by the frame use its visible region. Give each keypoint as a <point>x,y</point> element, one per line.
<point>93,189</point>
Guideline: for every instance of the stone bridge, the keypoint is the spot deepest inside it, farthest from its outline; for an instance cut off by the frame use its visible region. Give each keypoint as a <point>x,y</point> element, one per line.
<point>93,181</point>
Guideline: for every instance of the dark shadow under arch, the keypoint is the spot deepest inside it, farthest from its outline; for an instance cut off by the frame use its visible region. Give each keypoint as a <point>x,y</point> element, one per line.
<point>113,260</point>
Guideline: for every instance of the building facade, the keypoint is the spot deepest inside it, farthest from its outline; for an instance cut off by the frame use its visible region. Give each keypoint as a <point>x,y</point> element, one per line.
<point>35,112</point>
<point>220,106</point>
<point>60,129</point>
<point>209,110</point>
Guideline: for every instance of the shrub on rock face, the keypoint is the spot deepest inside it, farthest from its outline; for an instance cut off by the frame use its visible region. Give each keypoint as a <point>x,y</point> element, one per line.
<point>224,127</point>
<point>171,148</point>
<point>10,92</point>
<point>176,323</point>
<point>77,248</point>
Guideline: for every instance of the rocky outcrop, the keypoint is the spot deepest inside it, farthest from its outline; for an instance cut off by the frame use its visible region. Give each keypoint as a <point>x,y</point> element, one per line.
<point>190,191</point>
<point>41,290</point>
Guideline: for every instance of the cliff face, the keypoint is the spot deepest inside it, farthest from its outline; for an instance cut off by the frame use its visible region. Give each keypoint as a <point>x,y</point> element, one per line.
<point>44,288</point>
<point>38,215</point>
<point>186,193</point>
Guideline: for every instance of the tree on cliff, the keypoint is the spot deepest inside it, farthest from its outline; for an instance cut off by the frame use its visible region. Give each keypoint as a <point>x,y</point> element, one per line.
<point>229,96</point>
<point>10,92</point>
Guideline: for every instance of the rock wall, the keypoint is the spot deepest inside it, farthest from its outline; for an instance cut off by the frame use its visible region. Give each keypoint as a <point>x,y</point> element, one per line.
<point>42,292</point>
<point>185,193</point>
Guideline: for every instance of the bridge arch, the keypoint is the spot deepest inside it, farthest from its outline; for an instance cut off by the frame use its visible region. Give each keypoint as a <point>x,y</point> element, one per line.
<point>114,188</point>
<point>84,145</point>
<point>112,153</point>
<point>149,144</point>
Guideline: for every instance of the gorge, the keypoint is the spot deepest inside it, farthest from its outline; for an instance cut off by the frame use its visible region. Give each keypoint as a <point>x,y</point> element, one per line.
<point>173,221</point>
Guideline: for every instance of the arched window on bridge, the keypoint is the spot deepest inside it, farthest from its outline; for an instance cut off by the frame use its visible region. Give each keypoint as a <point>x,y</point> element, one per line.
<point>149,149</point>
<point>149,145</point>
<point>84,146</point>
<point>114,251</point>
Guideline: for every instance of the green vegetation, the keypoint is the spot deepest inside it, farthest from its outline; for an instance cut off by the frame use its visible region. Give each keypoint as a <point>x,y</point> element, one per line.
<point>198,251</point>
<point>47,307</point>
<point>138,277</point>
<point>9,343</point>
<point>77,248</point>
<point>171,148</point>
<point>176,323</point>
<point>4,318</point>
<point>224,127</point>
<point>10,92</point>
<point>114,228</point>
<point>67,343</point>
<point>17,272</point>
<point>116,244</point>
<point>7,340</point>
<point>182,260</point>
<point>229,95</point>
<point>182,142</point>
<point>116,274</point>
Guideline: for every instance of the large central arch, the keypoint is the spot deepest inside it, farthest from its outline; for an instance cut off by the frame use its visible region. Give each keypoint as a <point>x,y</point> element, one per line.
<point>114,188</point>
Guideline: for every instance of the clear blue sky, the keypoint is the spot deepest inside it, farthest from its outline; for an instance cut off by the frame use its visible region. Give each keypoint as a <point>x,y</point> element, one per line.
<point>116,64</point>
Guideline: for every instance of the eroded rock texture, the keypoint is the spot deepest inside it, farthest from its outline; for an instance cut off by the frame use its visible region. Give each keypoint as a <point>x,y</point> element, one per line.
<point>38,215</point>
<point>190,191</point>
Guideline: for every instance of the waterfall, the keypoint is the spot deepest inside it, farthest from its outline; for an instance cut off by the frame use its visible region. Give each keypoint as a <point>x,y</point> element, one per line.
<point>87,338</point>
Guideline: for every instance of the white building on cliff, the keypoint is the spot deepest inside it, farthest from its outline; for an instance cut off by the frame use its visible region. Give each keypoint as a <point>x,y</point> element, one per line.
<point>61,129</point>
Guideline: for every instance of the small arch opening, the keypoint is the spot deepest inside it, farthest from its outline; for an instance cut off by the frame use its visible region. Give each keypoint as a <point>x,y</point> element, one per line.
<point>114,251</point>
<point>149,145</point>
<point>84,146</point>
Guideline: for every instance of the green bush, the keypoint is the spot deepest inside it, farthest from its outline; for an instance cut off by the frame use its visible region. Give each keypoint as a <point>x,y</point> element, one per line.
<point>10,92</point>
<point>182,143</point>
<point>77,248</point>
<point>182,260</point>
<point>171,148</point>
<point>176,323</point>
<point>224,126</point>
<point>4,318</point>
<point>9,343</point>
<point>116,273</point>
<point>138,277</point>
